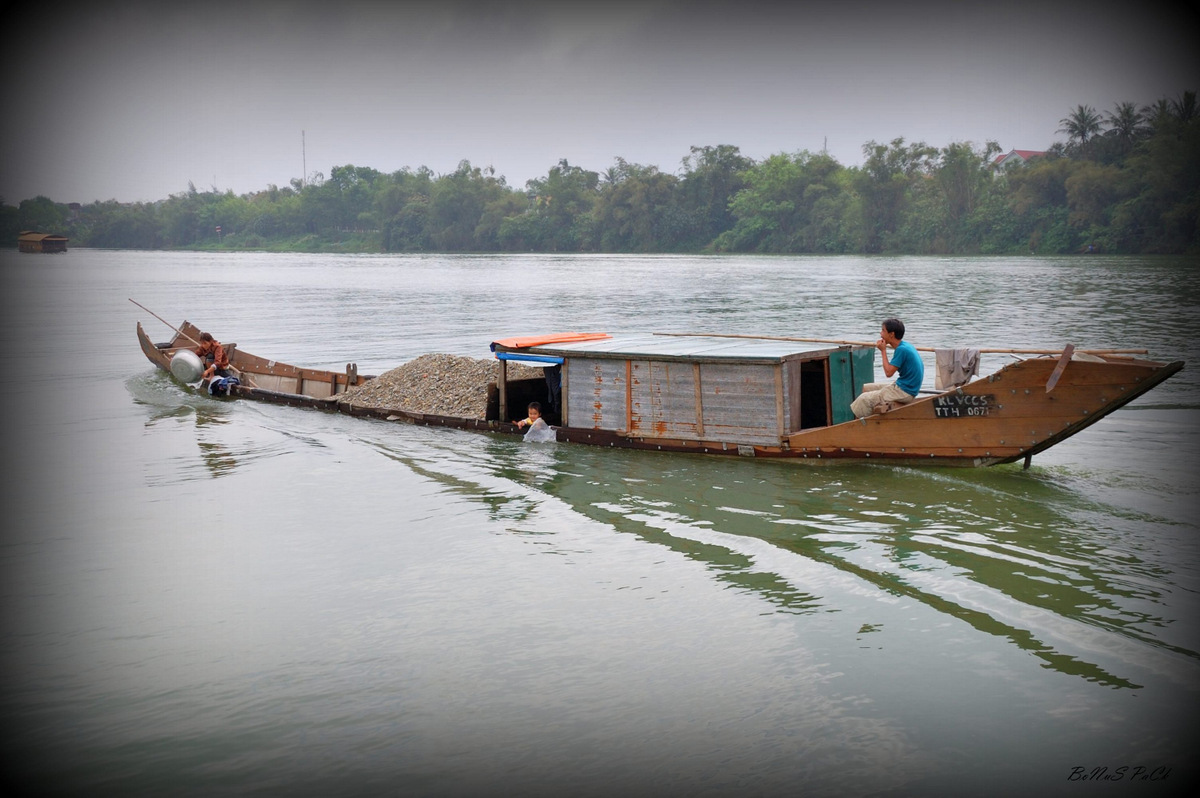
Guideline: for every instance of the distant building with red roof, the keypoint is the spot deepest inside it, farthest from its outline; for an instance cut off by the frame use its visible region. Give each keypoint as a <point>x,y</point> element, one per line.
<point>1015,158</point>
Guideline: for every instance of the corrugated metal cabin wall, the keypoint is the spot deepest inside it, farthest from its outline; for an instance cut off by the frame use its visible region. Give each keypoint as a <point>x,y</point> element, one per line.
<point>663,399</point>
<point>739,402</point>
<point>743,402</point>
<point>595,395</point>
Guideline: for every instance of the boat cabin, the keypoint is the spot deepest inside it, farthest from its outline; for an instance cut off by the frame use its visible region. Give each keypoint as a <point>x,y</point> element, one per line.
<point>752,391</point>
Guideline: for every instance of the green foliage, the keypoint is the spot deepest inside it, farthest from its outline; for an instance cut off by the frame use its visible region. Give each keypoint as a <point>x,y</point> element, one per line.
<point>456,208</point>
<point>1125,181</point>
<point>886,183</point>
<point>711,178</point>
<point>120,226</point>
<point>42,214</point>
<point>791,203</point>
<point>562,205</point>
<point>635,210</point>
<point>10,225</point>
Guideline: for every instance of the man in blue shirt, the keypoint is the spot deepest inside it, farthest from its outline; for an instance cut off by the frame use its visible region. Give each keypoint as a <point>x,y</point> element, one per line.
<point>904,361</point>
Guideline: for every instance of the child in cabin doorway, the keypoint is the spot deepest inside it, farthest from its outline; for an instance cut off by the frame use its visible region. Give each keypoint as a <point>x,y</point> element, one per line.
<point>539,430</point>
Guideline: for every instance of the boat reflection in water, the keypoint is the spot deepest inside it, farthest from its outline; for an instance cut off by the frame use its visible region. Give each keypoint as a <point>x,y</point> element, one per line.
<point>1009,552</point>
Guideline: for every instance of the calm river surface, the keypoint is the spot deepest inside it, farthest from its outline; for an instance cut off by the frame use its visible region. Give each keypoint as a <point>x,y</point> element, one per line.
<point>206,597</point>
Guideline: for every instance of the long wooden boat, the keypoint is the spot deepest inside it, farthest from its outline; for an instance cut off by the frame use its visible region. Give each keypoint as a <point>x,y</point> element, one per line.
<point>747,396</point>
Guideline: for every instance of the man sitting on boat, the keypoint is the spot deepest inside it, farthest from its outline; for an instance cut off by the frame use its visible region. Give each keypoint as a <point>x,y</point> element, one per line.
<point>905,360</point>
<point>213,356</point>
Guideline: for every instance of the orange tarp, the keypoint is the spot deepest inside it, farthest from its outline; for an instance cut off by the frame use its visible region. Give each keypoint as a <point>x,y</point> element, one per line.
<point>549,338</point>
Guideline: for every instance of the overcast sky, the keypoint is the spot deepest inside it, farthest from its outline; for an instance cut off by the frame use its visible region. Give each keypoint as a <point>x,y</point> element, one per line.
<point>131,101</point>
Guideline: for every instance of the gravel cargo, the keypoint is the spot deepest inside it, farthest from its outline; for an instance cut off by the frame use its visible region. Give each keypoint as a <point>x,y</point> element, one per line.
<point>437,384</point>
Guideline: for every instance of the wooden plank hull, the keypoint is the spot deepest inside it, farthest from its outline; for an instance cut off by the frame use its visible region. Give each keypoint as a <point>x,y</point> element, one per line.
<point>996,419</point>
<point>1004,417</point>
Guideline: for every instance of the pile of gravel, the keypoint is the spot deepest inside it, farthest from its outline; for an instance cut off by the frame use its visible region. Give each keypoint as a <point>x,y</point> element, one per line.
<point>444,385</point>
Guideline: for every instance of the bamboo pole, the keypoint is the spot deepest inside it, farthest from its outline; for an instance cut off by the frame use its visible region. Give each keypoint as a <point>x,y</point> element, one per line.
<point>169,324</point>
<point>918,348</point>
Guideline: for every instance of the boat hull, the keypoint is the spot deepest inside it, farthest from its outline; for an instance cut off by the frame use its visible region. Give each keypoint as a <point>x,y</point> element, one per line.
<point>1004,417</point>
<point>261,378</point>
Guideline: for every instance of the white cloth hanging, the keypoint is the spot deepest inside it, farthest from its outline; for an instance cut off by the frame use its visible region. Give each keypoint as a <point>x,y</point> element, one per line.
<point>955,367</point>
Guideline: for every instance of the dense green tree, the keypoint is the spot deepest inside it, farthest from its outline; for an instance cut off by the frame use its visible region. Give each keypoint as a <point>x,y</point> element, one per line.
<point>523,232</point>
<point>337,205</point>
<point>1038,196</point>
<point>42,215</point>
<point>1092,192</point>
<point>711,178</point>
<point>498,208</point>
<point>123,226</point>
<point>884,184</point>
<point>10,225</point>
<point>401,203</point>
<point>963,179</point>
<point>561,207</point>
<point>180,215</point>
<point>786,206</point>
<point>1164,214</point>
<point>457,204</point>
<point>995,228</point>
<point>635,211</point>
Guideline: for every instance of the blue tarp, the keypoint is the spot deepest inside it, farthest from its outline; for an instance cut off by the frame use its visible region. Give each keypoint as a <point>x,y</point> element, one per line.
<point>528,358</point>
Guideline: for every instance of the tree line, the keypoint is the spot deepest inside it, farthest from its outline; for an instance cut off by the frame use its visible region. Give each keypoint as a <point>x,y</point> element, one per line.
<point>1125,181</point>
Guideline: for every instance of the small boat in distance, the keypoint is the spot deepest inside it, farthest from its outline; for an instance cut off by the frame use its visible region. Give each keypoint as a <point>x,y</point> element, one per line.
<point>758,396</point>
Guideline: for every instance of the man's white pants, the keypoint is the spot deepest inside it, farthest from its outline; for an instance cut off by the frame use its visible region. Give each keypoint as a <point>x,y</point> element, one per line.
<point>876,393</point>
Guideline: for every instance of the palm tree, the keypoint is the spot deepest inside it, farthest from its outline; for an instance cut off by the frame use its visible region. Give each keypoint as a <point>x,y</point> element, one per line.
<point>1184,109</point>
<point>1157,113</point>
<point>1127,124</point>
<point>1081,125</point>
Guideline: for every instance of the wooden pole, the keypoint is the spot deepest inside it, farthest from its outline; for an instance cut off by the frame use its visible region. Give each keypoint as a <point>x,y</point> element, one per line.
<point>164,321</point>
<point>503,386</point>
<point>918,348</point>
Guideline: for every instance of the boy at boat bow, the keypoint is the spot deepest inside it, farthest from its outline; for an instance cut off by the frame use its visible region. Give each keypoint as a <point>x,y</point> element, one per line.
<point>905,361</point>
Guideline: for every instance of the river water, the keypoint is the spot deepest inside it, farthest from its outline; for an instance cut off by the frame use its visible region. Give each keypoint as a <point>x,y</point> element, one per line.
<point>222,597</point>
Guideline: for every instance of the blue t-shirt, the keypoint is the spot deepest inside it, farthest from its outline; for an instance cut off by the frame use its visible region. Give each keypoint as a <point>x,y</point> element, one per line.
<point>912,370</point>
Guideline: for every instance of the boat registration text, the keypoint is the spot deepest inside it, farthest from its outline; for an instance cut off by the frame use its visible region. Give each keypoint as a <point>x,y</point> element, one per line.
<point>960,405</point>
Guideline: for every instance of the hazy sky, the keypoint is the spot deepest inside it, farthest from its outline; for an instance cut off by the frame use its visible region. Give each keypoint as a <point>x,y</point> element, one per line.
<point>131,101</point>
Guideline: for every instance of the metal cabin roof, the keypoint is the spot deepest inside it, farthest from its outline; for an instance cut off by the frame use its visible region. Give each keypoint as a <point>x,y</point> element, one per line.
<point>653,346</point>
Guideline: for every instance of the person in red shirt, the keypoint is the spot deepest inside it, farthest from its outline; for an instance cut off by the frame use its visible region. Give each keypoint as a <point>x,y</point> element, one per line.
<point>213,356</point>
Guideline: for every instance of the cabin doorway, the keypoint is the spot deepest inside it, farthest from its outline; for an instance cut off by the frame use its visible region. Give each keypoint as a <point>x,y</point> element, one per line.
<point>518,395</point>
<point>813,394</point>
